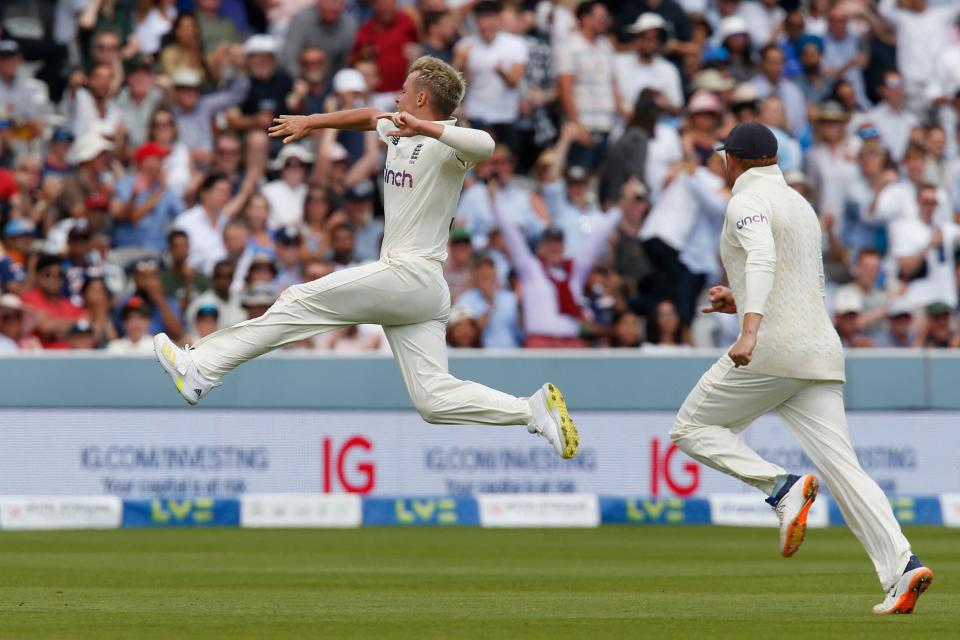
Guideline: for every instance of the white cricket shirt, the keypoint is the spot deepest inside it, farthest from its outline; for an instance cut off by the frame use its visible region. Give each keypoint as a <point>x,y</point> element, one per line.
<point>422,180</point>
<point>770,247</point>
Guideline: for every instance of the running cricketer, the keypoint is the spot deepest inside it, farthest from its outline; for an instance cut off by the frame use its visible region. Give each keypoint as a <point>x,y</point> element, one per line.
<point>787,359</point>
<point>404,291</point>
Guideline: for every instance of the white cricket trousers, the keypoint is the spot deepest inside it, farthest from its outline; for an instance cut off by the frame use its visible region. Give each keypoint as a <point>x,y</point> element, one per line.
<point>409,297</point>
<point>724,403</point>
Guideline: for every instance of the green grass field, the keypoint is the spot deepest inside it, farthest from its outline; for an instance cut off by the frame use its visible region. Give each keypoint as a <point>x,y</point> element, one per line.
<point>612,582</point>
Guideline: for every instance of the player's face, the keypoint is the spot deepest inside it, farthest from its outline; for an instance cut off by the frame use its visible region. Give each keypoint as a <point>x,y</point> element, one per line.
<point>407,99</point>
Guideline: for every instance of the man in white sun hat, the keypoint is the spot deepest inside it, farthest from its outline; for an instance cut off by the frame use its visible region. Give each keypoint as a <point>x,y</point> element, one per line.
<point>644,67</point>
<point>405,292</point>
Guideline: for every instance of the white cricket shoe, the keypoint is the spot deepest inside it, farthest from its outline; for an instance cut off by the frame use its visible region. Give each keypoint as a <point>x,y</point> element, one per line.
<point>792,505</point>
<point>552,421</point>
<point>177,362</point>
<point>902,597</point>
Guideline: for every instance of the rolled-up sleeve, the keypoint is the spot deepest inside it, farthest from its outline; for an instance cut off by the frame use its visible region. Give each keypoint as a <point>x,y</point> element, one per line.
<point>748,222</point>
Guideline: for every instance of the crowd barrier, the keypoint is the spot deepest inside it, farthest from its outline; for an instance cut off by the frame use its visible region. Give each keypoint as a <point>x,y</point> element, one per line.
<point>490,510</point>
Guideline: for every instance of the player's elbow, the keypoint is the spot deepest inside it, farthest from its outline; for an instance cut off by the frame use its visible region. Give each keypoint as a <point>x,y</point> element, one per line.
<point>485,146</point>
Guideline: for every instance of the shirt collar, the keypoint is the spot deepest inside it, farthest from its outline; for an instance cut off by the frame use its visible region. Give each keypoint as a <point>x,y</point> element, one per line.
<point>755,175</point>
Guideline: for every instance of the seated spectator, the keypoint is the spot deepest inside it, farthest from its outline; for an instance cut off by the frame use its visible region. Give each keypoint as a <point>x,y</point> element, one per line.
<point>81,336</point>
<point>899,332</point>
<point>15,93</point>
<point>937,332</point>
<point>316,211</point>
<point>891,117</point>
<point>456,270</point>
<point>288,193</point>
<point>494,307</point>
<point>665,329</point>
<point>55,314</point>
<point>93,107</point>
<point>183,49</point>
<point>772,115</point>
<point>78,262</point>
<point>215,29</point>
<point>194,111</point>
<point>204,223</point>
<point>152,20</point>
<point>771,82</point>
<point>219,296</point>
<point>519,202</point>
<point>325,25</point>
<point>267,83</point>
<point>847,318</point>
<point>165,313</point>
<point>627,156</point>
<point>143,205</point>
<point>256,299</point>
<point>439,34</point>
<point>180,280</point>
<point>874,301</point>
<point>627,331</point>
<point>312,84</point>
<point>205,322</point>
<point>91,154</point>
<point>367,230</point>
<point>354,339</point>
<point>289,265</point>
<point>137,339</point>
<point>256,215</point>
<point>56,162</point>
<point>18,235</point>
<point>137,101</point>
<point>463,331</point>
<point>98,308</point>
<point>14,328</point>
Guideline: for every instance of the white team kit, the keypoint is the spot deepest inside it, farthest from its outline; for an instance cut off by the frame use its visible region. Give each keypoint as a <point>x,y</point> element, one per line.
<point>770,247</point>
<point>404,291</point>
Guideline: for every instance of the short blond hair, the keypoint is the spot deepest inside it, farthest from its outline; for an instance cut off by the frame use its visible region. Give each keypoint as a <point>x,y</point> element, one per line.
<point>443,83</point>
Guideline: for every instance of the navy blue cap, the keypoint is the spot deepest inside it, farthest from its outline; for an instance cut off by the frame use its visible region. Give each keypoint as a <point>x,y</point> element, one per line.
<point>750,141</point>
<point>62,134</point>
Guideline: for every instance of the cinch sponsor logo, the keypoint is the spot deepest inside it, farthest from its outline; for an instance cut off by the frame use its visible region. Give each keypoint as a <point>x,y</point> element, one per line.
<point>403,179</point>
<point>754,219</point>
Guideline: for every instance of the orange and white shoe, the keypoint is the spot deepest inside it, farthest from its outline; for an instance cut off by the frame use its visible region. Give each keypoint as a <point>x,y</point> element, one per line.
<point>792,504</point>
<point>902,597</point>
<point>178,364</point>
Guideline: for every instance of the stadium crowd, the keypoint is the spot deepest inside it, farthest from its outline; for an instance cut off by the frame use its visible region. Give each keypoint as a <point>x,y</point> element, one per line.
<point>140,193</point>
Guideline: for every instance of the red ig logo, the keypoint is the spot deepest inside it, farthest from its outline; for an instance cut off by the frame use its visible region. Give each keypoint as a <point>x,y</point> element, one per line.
<point>335,458</point>
<point>660,468</point>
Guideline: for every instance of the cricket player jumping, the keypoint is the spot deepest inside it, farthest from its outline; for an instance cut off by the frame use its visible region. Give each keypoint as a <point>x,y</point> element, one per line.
<point>787,359</point>
<point>427,158</point>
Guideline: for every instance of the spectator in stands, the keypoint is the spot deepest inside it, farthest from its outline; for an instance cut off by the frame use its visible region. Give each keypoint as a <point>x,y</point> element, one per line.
<point>587,85</point>
<point>386,38</point>
<point>627,331</point>
<point>180,280</point>
<point>830,163</point>
<point>899,332</point>
<point>924,249</point>
<point>216,31</point>
<point>771,81</point>
<point>16,95</point>
<point>629,258</point>
<point>848,318</point>
<point>627,156</point>
<point>456,270</point>
<point>367,230</point>
<point>496,174</point>
<point>56,163</point>
<point>204,223</point>
<point>288,193</point>
<point>494,307</point>
<point>733,36</point>
<point>643,67</point>
<point>90,181</point>
<point>164,312</point>
<point>289,265</point>
<point>206,320</point>
<point>98,309</point>
<point>494,62</point>
<point>13,332</point>
<point>77,262</point>
<point>312,84</point>
<point>268,85</point>
<point>136,339</point>
<point>194,112</point>
<point>177,166</point>
<point>316,211</point>
<point>93,107</point>
<point>937,332</point>
<point>463,330</point>
<point>137,101</point>
<point>220,297</point>
<point>439,34</point>
<point>255,215</point>
<point>844,53</point>
<point>143,205</point>
<point>664,328</point>
<point>256,299</point>
<point>873,301</point>
<point>812,79</point>
<point>55,313</point>
<point>860,229</point>
<point>324,25</point>
<point>890,118</point>
<point>184,49</point>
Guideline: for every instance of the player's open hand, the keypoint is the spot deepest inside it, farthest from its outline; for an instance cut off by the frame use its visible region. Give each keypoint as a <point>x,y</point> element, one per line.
<point>406,125</point>
<point>290,128</point>
<point>742,351</point>
<point>721,301</point>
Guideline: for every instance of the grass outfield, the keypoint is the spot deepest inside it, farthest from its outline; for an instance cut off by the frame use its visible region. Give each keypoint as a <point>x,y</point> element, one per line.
<point>612,582</point>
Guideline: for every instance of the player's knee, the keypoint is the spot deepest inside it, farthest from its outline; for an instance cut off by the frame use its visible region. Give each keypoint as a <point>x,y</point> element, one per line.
<point>290,293</point>
<point>679,432</point>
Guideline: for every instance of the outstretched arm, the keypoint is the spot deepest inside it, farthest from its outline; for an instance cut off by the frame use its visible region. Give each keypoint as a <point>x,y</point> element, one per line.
<point>293,128</point>
<point>471,145</point>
